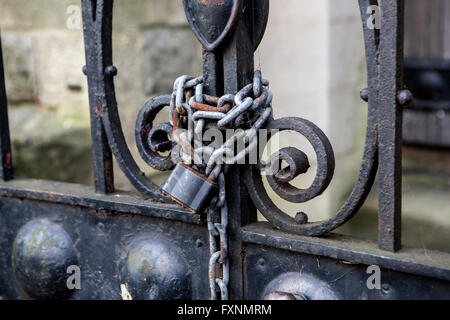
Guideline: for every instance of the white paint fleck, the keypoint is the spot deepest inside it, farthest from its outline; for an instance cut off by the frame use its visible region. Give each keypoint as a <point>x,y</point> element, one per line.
<point>125,293</point>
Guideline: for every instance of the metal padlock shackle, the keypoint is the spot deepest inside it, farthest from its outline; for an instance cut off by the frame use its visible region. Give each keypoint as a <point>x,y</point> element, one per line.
<point>189,187</point>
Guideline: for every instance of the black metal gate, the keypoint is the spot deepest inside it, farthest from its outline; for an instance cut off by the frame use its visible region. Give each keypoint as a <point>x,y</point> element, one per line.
<point>129,246</point>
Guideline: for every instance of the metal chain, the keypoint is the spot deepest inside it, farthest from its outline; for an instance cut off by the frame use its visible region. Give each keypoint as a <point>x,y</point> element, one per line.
<point>250,108</point>
<point>218,253</point>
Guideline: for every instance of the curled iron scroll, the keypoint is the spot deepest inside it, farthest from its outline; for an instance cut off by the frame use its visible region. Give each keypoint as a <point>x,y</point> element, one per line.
<point>297,164</point>
<point>325,161</point>
<point>152,139</point>
<point>368,169</point>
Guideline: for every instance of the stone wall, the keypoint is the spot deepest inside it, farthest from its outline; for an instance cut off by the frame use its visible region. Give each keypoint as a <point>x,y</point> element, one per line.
<point>47,92</point>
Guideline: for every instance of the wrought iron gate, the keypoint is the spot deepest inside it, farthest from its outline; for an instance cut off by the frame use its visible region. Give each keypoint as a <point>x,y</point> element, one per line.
<point>151,248</point>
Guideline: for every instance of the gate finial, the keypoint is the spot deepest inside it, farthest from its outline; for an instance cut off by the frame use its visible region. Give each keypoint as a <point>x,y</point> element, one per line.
<point>214,21</point>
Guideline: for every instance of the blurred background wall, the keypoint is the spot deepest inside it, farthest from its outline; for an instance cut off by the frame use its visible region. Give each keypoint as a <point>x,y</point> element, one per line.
<point>47,92</point>
<point>312,53</point>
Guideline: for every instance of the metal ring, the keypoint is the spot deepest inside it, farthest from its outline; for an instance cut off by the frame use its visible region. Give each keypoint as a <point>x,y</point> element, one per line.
<point>325,160</point>
<point>325,170</point>
<point>144,127</point>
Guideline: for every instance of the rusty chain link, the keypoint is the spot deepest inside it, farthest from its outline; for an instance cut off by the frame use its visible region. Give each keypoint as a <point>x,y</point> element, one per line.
<point>249,109</point>
<point>218,254</point>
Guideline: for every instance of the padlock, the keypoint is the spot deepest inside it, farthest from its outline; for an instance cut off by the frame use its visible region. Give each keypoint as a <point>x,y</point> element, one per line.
<point>190,188</point>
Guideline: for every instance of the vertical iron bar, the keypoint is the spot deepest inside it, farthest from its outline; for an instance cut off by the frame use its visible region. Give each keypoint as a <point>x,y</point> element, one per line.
<point>390,124</point>
<point>106,126</point>
<point>6,169</point>
<point>212,73</point>
<point>95,69</point>
<point>238,61</point>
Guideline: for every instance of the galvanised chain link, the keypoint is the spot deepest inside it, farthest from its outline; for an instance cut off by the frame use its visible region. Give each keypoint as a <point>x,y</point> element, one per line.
<point>218,253</point>
<point>248,110</point>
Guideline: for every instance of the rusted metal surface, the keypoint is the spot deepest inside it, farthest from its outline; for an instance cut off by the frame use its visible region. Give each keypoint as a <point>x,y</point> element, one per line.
<point>74,195</point>
<point>206,107</point>
<point>98,34</point>
<point>297,164</point>
<point>268,268</point>
<point>390,124</point>
<point>97,61</point>
<point>429,263</point>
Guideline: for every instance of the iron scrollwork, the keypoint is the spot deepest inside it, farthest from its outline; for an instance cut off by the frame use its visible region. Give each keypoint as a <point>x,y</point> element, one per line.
<point>214,26</point>
<point>325,158</point>
<point>152,140</point>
